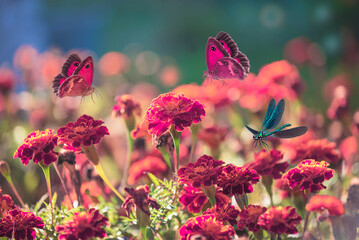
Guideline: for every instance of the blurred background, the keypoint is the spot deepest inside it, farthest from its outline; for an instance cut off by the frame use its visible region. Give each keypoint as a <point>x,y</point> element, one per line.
<point>148,47</point>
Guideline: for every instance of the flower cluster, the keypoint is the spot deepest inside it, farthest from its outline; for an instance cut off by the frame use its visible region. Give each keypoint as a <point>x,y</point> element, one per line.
<point>39,147</point>
<point>309,175</point>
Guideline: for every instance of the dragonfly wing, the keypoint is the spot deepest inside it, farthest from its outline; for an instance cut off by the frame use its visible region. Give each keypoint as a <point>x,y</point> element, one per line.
<point>290,133</point>
<point>275,117</point>
<point>255,132</point>
<point>270,110</point>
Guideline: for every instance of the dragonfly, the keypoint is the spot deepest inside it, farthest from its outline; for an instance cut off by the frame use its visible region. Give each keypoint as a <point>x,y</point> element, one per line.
<point>273,116</point>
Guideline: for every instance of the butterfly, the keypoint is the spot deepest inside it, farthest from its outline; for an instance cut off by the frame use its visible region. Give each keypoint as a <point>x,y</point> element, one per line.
<point>273,116</point>
<point>75,78</point>
<point>224,60</point>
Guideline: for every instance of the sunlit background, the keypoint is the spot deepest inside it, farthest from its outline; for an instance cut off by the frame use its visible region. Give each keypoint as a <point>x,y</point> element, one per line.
<point>148,47</point>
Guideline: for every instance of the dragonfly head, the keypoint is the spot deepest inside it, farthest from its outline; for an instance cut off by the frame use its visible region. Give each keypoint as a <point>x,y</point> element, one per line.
<point>256,137</point>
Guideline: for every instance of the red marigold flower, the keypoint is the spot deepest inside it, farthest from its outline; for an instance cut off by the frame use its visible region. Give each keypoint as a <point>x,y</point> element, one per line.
<point>194,199</point>
<point>152,164</point>
<point>39,147</point>
<point>20,225</point>
<point>212,136</point>
<point>317,149</point>
<point>83,225</point>
<point>309,175</point>
<point>248,217</point>
<point>204,171</point>
<point>6,203</point>
<point>269,163</point>
<point>85,131</point>
<point>280,220</point>
<point>126,107</point>
<point>169,109</point>
<point>206,226</point>
<point>225,214</point>
<point>318,203</point>
<point>237,180</point>
<point>139,197</point>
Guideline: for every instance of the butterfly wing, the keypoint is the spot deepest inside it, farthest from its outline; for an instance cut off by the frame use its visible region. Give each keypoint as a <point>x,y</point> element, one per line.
<point>74,86</point>
<point>85,70</point>
<point>214,52</point>
<point>275,117</point>
<point>56,83</point>
<point>244,61</point>
<point>228,43</point>
<point>290,133</point>
<point>228,68</point>
<point>70,65</point>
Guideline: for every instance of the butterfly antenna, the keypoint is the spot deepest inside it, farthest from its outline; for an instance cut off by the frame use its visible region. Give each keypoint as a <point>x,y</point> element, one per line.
<point>98,94</point>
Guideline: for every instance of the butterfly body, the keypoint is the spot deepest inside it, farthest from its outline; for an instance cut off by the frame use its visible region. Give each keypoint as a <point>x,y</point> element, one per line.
<point>273,116</point>
<point>75,78</point>
<point>224,60</point>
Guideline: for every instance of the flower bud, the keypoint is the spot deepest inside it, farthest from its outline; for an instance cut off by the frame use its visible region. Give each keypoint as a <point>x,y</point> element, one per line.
<point>4,168</point>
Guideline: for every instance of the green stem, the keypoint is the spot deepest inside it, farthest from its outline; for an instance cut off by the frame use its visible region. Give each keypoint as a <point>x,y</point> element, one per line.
<point>210,193</point>
<point>241,200</point>
<point>8,178</point>
<point>166,156</point>
<point>46,170</point>
<point>128,160</point>
<point>267,182</point>
<point>194,130</point>
<point>176,136</point>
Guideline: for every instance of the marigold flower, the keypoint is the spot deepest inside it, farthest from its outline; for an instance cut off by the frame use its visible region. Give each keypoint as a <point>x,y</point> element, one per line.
<point>268,163</point>
<point>20,225</point>
<point>6,203</point>
<point>149,164</point>
<point>318,203</point>
<point>85,131</point>
<point>212,136</point>
<point>169,109</point>
<point>248,217</point>
<point>317,149</point>
<point>237,180</point>
<point>225,214</point>
<point>204,171</point>
<point>194,199</point>
<point>83,225</point>
<point>309,175</point>
<point>39,147</point>
<point>206,226</point>
<point>126,107</point>
<point>280,220</point>
<point>139,197</point>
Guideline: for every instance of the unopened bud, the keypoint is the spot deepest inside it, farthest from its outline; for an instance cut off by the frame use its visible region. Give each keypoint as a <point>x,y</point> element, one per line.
<point>4,169</point>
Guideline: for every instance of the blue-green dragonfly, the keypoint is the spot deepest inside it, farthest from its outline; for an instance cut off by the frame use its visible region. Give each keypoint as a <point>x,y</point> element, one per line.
<point>273,116</point>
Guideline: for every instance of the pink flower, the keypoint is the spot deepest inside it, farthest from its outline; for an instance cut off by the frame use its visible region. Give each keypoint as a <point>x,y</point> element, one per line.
<point>318,203</point>
<point>126,107</point>
<point>248,217</point>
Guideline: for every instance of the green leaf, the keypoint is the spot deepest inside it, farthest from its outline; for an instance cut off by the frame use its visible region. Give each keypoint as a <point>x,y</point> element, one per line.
<point>154,179</point>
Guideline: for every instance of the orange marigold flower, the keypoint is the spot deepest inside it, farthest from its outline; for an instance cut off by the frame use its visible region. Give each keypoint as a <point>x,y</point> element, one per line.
<point>126,107</point>
<point>213,136</point>
<point>39,147</point>
<point>317,149</point>
<point>20,225</point>
<point>237,180</point>
<point>83,225</point>
<point>204,171</point>
<point>139,198</point>
<point>152,164</point>
<point>225,214</point>
<point>248,217</point>
<point>206,226</point>
<point>85,131</point>
<point>194,199</point>
<point>318,203</point>
<point>268,163</point>
<point>280,220</point>
<point>309,175</point>
<point>169,109</point>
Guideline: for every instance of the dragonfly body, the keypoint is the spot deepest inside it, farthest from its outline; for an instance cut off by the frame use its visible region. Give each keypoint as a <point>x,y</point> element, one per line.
<point>273,116</point>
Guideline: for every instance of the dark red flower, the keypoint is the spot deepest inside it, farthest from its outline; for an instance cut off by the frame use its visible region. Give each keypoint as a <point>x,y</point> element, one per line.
<point>169,109</point>
<point>318,203</point>
<point>204,171</point>
<point>206,226</point>
<point>248,217</point>
<point>6,203</point>
<point>85,131</point>
<point>194,199</point>
<point>268,163</point>
<point>309,175</point>
<point>39,147</point>
<point>139,198</point>
<point>237,180</point>
<point>317,149</point>
<point>280,220</point>
<point>83,225</point>
<point>212,136</point>
<point>225,214</point>
<point>20,225</point>
<point>126,107</point>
